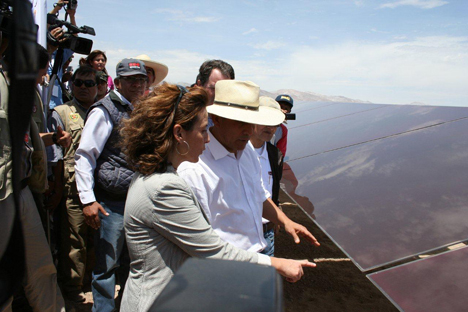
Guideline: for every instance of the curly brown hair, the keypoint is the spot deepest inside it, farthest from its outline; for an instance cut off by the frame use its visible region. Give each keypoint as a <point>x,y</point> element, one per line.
<point>147,136</point>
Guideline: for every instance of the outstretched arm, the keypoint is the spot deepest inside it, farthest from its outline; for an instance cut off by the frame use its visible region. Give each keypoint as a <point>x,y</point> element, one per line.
<point>275,215</point>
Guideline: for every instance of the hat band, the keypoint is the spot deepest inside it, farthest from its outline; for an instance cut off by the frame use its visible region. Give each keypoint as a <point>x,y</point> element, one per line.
<point>237,105</point>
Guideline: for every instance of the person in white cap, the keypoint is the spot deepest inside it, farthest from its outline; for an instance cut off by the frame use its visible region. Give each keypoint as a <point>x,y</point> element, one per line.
<point>156,71</point>
<point>227,178</point>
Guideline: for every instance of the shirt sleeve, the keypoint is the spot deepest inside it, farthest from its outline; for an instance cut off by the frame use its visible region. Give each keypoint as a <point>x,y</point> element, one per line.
<point>283,142</point>
<point>110,83</point>
<point>265,191</point>
<point>97,129</point>
<point>177,217</point>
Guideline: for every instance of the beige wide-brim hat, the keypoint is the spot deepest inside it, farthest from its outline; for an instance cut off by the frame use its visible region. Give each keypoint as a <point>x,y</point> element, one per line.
<point>160,70</point>
<point>239,100</point>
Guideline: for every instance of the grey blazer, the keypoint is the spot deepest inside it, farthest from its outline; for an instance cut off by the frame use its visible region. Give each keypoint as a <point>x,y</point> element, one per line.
<point>164,225</point>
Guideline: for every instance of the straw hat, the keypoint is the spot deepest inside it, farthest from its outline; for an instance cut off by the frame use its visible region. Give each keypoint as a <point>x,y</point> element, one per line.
<point>239,100</point>
<point>269,103</point>
<point>160,70</point>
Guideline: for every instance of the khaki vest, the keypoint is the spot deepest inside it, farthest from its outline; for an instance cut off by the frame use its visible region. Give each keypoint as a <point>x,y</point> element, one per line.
<point>73,116</point>
<point>6,165</point>
<point>38,113</point>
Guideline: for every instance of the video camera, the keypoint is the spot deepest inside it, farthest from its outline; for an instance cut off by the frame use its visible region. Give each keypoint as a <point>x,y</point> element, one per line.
<point>72,42</point>
<point>290,116</point>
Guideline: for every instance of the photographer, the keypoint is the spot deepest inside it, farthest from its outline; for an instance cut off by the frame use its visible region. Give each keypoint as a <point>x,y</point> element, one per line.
<point>70,10</point>
<point>57,33</point>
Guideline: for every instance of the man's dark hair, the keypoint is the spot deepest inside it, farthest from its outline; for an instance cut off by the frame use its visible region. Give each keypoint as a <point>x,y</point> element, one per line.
<point>43,56</point>
<point>85,71</point>
<point>206,68</point>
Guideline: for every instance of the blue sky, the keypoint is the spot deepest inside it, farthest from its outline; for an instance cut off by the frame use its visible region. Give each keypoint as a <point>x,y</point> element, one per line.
<point>389,51</point>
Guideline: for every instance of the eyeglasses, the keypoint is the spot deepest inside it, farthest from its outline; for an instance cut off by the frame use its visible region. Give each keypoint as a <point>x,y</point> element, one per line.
<point>182,90</point>
<point>133,80</point>
<point>87,83</point>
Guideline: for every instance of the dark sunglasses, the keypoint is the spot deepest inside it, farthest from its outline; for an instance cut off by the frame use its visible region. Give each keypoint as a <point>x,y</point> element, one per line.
<point>133,80</point>
<point>87,83</point>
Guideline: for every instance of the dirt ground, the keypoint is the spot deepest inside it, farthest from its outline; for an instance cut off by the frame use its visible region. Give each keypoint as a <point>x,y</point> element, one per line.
<point>332,285</point>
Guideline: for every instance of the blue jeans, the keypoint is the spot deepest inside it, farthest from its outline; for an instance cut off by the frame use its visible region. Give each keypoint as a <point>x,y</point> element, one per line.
<point>270,239</point>
<point>109,244</point>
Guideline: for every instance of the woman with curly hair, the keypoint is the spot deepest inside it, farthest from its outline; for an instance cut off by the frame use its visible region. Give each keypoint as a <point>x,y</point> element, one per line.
<point>164,224</point>
<point>97,59</point>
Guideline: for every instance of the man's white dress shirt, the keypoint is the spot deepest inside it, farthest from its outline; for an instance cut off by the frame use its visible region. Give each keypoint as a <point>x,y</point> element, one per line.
<point>98,128</point>
<point>231,192</point>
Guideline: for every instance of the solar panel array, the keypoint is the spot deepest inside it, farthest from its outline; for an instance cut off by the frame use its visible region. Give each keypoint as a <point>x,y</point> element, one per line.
<point>434,284</point>
<point>385,182</point>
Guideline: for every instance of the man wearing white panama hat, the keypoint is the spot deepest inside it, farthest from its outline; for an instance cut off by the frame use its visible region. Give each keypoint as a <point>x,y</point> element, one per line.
<point>227,178</point>
<point>156,71</point>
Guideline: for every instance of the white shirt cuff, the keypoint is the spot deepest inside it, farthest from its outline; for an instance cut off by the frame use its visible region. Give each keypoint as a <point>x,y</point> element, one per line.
<point>264,260</point>
<point>87,197</point>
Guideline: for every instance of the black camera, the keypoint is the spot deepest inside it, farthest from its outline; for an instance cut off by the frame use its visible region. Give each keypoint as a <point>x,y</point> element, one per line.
<point>72,42</point>
<point>6,15</point>
<point>72,4</point>
<point>290,116</point>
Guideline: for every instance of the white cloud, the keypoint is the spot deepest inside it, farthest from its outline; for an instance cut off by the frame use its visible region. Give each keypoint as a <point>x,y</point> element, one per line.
<point>432,70</point>
<point>183,64</point>
<point>181,16</point>
<point>423,4</point>
<point>269,45</point>
<point>250,31</point>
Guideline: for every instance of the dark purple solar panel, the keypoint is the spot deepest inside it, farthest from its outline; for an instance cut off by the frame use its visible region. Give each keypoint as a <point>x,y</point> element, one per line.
<point>438,283</point>
<point>307,113</point>
<point>387,199</point>
<point>344,124</point>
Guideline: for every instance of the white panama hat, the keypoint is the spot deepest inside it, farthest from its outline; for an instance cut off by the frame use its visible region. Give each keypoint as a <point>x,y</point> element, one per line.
<point>160,70</point>
<point>239,100</point>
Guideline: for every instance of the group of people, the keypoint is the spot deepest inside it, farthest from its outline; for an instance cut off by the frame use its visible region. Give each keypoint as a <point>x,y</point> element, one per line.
<point>142,175</point>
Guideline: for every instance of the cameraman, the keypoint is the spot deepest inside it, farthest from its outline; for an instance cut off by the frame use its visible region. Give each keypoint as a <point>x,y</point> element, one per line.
<point>57,33</point>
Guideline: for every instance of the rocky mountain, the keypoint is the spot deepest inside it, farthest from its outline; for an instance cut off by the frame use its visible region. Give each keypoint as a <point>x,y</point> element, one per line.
<point>304,96</point>
<point>311,96</point>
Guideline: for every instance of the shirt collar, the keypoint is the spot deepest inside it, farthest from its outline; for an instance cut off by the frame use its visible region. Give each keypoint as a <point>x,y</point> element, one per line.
<point>218,150</point>
<point>121,97</point>
<point>263,151</point>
